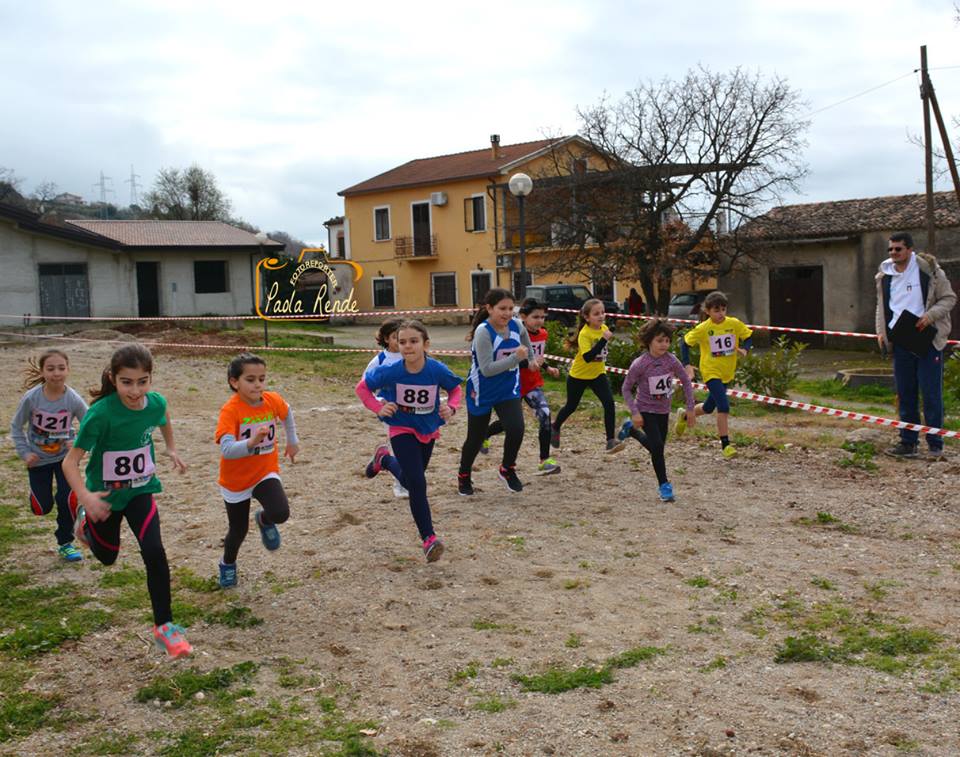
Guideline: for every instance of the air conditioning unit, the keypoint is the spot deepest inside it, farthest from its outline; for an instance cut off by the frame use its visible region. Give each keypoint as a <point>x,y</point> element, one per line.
<point>438,198</point>
<point>504,261</point>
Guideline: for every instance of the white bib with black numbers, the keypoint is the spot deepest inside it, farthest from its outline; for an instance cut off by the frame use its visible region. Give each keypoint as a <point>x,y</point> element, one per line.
<point>127,469</point>
<point>722,345</point>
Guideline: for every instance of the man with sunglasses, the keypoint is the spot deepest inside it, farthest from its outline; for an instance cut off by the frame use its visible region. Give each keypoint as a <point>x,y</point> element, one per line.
<point>913,282</point>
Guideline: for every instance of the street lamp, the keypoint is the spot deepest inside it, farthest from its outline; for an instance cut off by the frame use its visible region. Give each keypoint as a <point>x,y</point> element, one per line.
<point>520,186</point>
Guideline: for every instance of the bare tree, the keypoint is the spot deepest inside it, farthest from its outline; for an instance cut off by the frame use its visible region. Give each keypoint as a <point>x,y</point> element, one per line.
<point>10,185</point>
<point>191,194</point>
<point>682,165</point>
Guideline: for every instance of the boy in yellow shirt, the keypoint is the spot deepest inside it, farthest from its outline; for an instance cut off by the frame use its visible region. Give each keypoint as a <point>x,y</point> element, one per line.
<point>720,339</point>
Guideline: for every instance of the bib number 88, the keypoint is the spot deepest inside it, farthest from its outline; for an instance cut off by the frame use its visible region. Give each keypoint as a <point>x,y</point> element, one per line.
<point>416,397</point>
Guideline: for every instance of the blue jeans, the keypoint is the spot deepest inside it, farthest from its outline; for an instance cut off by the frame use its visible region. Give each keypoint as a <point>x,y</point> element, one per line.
<point>919,376</point>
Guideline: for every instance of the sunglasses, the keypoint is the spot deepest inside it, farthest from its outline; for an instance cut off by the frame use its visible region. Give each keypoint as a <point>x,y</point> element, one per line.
<point>895,249</point>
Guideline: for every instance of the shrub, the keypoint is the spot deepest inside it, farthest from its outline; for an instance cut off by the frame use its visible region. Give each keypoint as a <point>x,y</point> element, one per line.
<point>772,372</point>
<point>951,375</point>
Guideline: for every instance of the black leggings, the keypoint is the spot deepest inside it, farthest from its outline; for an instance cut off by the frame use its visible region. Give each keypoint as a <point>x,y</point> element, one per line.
<point>537,402</point>
<point>144,520</point>
<point>601,387</point>
<point>510,413</point>
<point>408,464</point>
<point>41,497</point>
<point>653,436</point>
<point>269,493</point>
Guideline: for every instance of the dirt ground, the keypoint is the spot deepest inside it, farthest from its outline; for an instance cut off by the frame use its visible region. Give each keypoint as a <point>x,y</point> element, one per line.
<point>576,570</point>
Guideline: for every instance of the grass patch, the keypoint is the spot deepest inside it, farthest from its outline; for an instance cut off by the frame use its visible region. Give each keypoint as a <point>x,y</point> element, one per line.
<point>187,579</point>
<point>861,456</point>
<point>180,688</point>
<point>717,663</point>
<point>462,674</point>
<point>107,744</point>
<point>38,619</point>
<point>501,662</point>
<point>557,679</point>
<point>824,583</point>
<point>485,625</point>
<point>698,582</point>
<point>494,703</point>
<point>709,626</point>
<point>826,521</point>
<point>234,616</point>
<point>574,641</point>
<point>25,713</point>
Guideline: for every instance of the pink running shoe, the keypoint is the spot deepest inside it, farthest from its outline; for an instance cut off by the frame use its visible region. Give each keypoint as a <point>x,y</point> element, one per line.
<point>80,526</point>
<point>170,637</point>
<point>432,548</point>
<point>375,464</point>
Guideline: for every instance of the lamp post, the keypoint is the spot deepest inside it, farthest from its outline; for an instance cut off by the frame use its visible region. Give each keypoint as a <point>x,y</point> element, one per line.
<point>520,186</point>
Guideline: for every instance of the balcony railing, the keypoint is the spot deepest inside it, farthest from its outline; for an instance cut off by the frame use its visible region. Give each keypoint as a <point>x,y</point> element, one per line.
<point>415,247</point>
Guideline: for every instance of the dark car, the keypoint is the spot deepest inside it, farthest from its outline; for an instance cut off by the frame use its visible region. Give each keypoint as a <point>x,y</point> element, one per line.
<point>686,304</point>
<point>569,296</point>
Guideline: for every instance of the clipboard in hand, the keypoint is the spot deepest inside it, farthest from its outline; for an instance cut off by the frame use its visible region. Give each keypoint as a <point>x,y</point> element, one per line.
<point>906,335</point>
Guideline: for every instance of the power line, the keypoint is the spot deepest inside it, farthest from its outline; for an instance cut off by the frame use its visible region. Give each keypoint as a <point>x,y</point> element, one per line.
<point>864,92</point>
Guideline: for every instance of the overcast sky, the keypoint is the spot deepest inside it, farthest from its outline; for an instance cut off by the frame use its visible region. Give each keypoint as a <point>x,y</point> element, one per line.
<point>289,102</point>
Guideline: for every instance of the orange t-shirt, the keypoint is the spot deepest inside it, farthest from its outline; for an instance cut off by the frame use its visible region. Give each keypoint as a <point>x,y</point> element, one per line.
<point>241,420</point>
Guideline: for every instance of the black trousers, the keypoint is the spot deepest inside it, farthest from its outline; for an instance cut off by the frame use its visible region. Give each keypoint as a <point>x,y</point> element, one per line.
<point>601,387</point>
<point>510,414</point>
<point>653,436</point>
<point>276,509</point>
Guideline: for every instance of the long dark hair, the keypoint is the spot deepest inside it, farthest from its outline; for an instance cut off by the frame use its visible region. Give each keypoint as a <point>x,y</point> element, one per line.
<point>491,298</point>
<point>574,338</point>
<point>128,356</point>
<point>33,373</point>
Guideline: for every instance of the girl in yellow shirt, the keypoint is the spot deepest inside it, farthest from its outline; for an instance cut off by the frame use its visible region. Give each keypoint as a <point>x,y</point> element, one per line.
<point>589,369</point>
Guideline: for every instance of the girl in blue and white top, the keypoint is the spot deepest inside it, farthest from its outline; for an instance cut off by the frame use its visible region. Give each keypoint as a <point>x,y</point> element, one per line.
<point>47,411</point>
<point>386,337</point>
<point>500,348</point>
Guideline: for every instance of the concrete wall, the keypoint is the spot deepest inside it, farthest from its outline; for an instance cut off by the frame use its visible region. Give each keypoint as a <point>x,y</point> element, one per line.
<point>177,268</point>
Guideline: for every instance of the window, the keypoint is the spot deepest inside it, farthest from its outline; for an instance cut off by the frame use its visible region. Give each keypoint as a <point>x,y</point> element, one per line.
<point>443,288</point>
<point>481,282</point>
<point>516,282</point>
<point>210,276</point>
<point>341,245</point>
<point>603,286</point>
<point>381,223</point>
<point>475,213</point>
<point>384,292</point>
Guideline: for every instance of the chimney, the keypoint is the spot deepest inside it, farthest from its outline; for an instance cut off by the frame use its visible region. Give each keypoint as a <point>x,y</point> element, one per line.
<point>494,146</point>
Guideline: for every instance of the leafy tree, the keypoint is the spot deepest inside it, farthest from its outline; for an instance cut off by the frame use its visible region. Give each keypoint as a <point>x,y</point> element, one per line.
<point>10,185</point>
<point>190,194</point>
<point>682,164</point>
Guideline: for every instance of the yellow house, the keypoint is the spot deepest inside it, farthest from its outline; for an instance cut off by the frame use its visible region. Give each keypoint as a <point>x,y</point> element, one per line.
<point>439,232</point>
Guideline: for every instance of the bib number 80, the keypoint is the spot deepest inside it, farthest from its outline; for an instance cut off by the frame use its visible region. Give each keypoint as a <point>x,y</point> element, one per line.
<point>123,465</point>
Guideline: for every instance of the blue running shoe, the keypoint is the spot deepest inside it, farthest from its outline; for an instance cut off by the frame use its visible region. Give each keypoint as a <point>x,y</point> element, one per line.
<point>666,492</point>
<point>69,552</point>
<point>269,534</point>
<point>625,430</point>
<point>228,575</point>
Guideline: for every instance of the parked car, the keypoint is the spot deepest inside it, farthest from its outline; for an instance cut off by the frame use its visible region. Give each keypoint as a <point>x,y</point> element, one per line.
<point>570,296</point>
<point>686,304</point>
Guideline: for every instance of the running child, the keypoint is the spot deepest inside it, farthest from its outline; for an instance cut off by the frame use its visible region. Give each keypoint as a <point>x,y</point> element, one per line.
<point>121,481</point>
<point>47,411</point>
<point>500,347</point>
<point>589,369</point>
<point>532,315</point>
<point>247,433</point>
<point>386,337</point>
<point>411,407</point>
<point>647,390</point>
<point>720,339</point>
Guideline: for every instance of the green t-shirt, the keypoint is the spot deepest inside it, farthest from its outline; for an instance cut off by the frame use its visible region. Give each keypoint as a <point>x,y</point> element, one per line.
<point>120,444</point>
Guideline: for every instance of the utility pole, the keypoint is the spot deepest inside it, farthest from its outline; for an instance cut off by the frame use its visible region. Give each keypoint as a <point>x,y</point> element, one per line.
<point>945,140</point>
<point>925,89</point>
<point>132,181</point>
<point>102,185</point>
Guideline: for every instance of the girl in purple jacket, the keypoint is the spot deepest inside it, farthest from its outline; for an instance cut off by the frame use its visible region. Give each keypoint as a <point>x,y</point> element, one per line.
<point>647,390</point>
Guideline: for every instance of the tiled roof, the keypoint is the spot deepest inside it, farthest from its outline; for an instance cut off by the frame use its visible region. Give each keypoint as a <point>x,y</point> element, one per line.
<point>30,221</point>
<point>843,217</point>
<point>462,165</point>
<point>174,234</point>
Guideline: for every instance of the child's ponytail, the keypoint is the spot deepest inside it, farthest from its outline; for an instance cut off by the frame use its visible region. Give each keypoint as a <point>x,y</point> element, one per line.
<point>33,373</point>
<point>491,298</point>
<point>573,339</point>
<point>128,356</point>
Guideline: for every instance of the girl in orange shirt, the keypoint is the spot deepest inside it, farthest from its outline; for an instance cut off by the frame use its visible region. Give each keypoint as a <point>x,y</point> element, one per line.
<point>249,464</point>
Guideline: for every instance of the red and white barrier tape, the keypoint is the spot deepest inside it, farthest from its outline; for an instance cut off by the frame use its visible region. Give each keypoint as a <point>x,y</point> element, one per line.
<point>806,406</point>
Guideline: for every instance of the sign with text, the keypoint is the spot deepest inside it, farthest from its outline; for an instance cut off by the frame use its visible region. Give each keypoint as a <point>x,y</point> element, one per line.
<point>309,290</point>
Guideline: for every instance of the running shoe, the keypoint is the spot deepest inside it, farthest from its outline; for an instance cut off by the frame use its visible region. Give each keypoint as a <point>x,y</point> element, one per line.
<point>80,526</point>
<point>615,445</point>
<point>485,447</point>
<point>666,492</point>
<point>69,552</point>
<point>376,462</point>
<point>432,548</point>
<point>936,454</point>
<point>398,491</point>
<point>555,437</point>
<point>547,467</point>
<point>464,485</point>
<point>169,637</point>
<point>680,425</point>
<point>729,451</point>
<point>625,430</point>
<point>509,477</point>
<point>269,534</point>
<point>903,449</point>
<point>228,575</point>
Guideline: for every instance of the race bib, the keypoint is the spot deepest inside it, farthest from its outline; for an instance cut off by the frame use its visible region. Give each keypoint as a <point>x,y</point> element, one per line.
<point>265,445</point>
<point>51,425</point>
<point>417,398</point>
<point>660,385</point>
<point>537,349</point>
<point>722,345</point>
<point>127,469</point>
<point>602,357</point>
<point>506,352</point>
